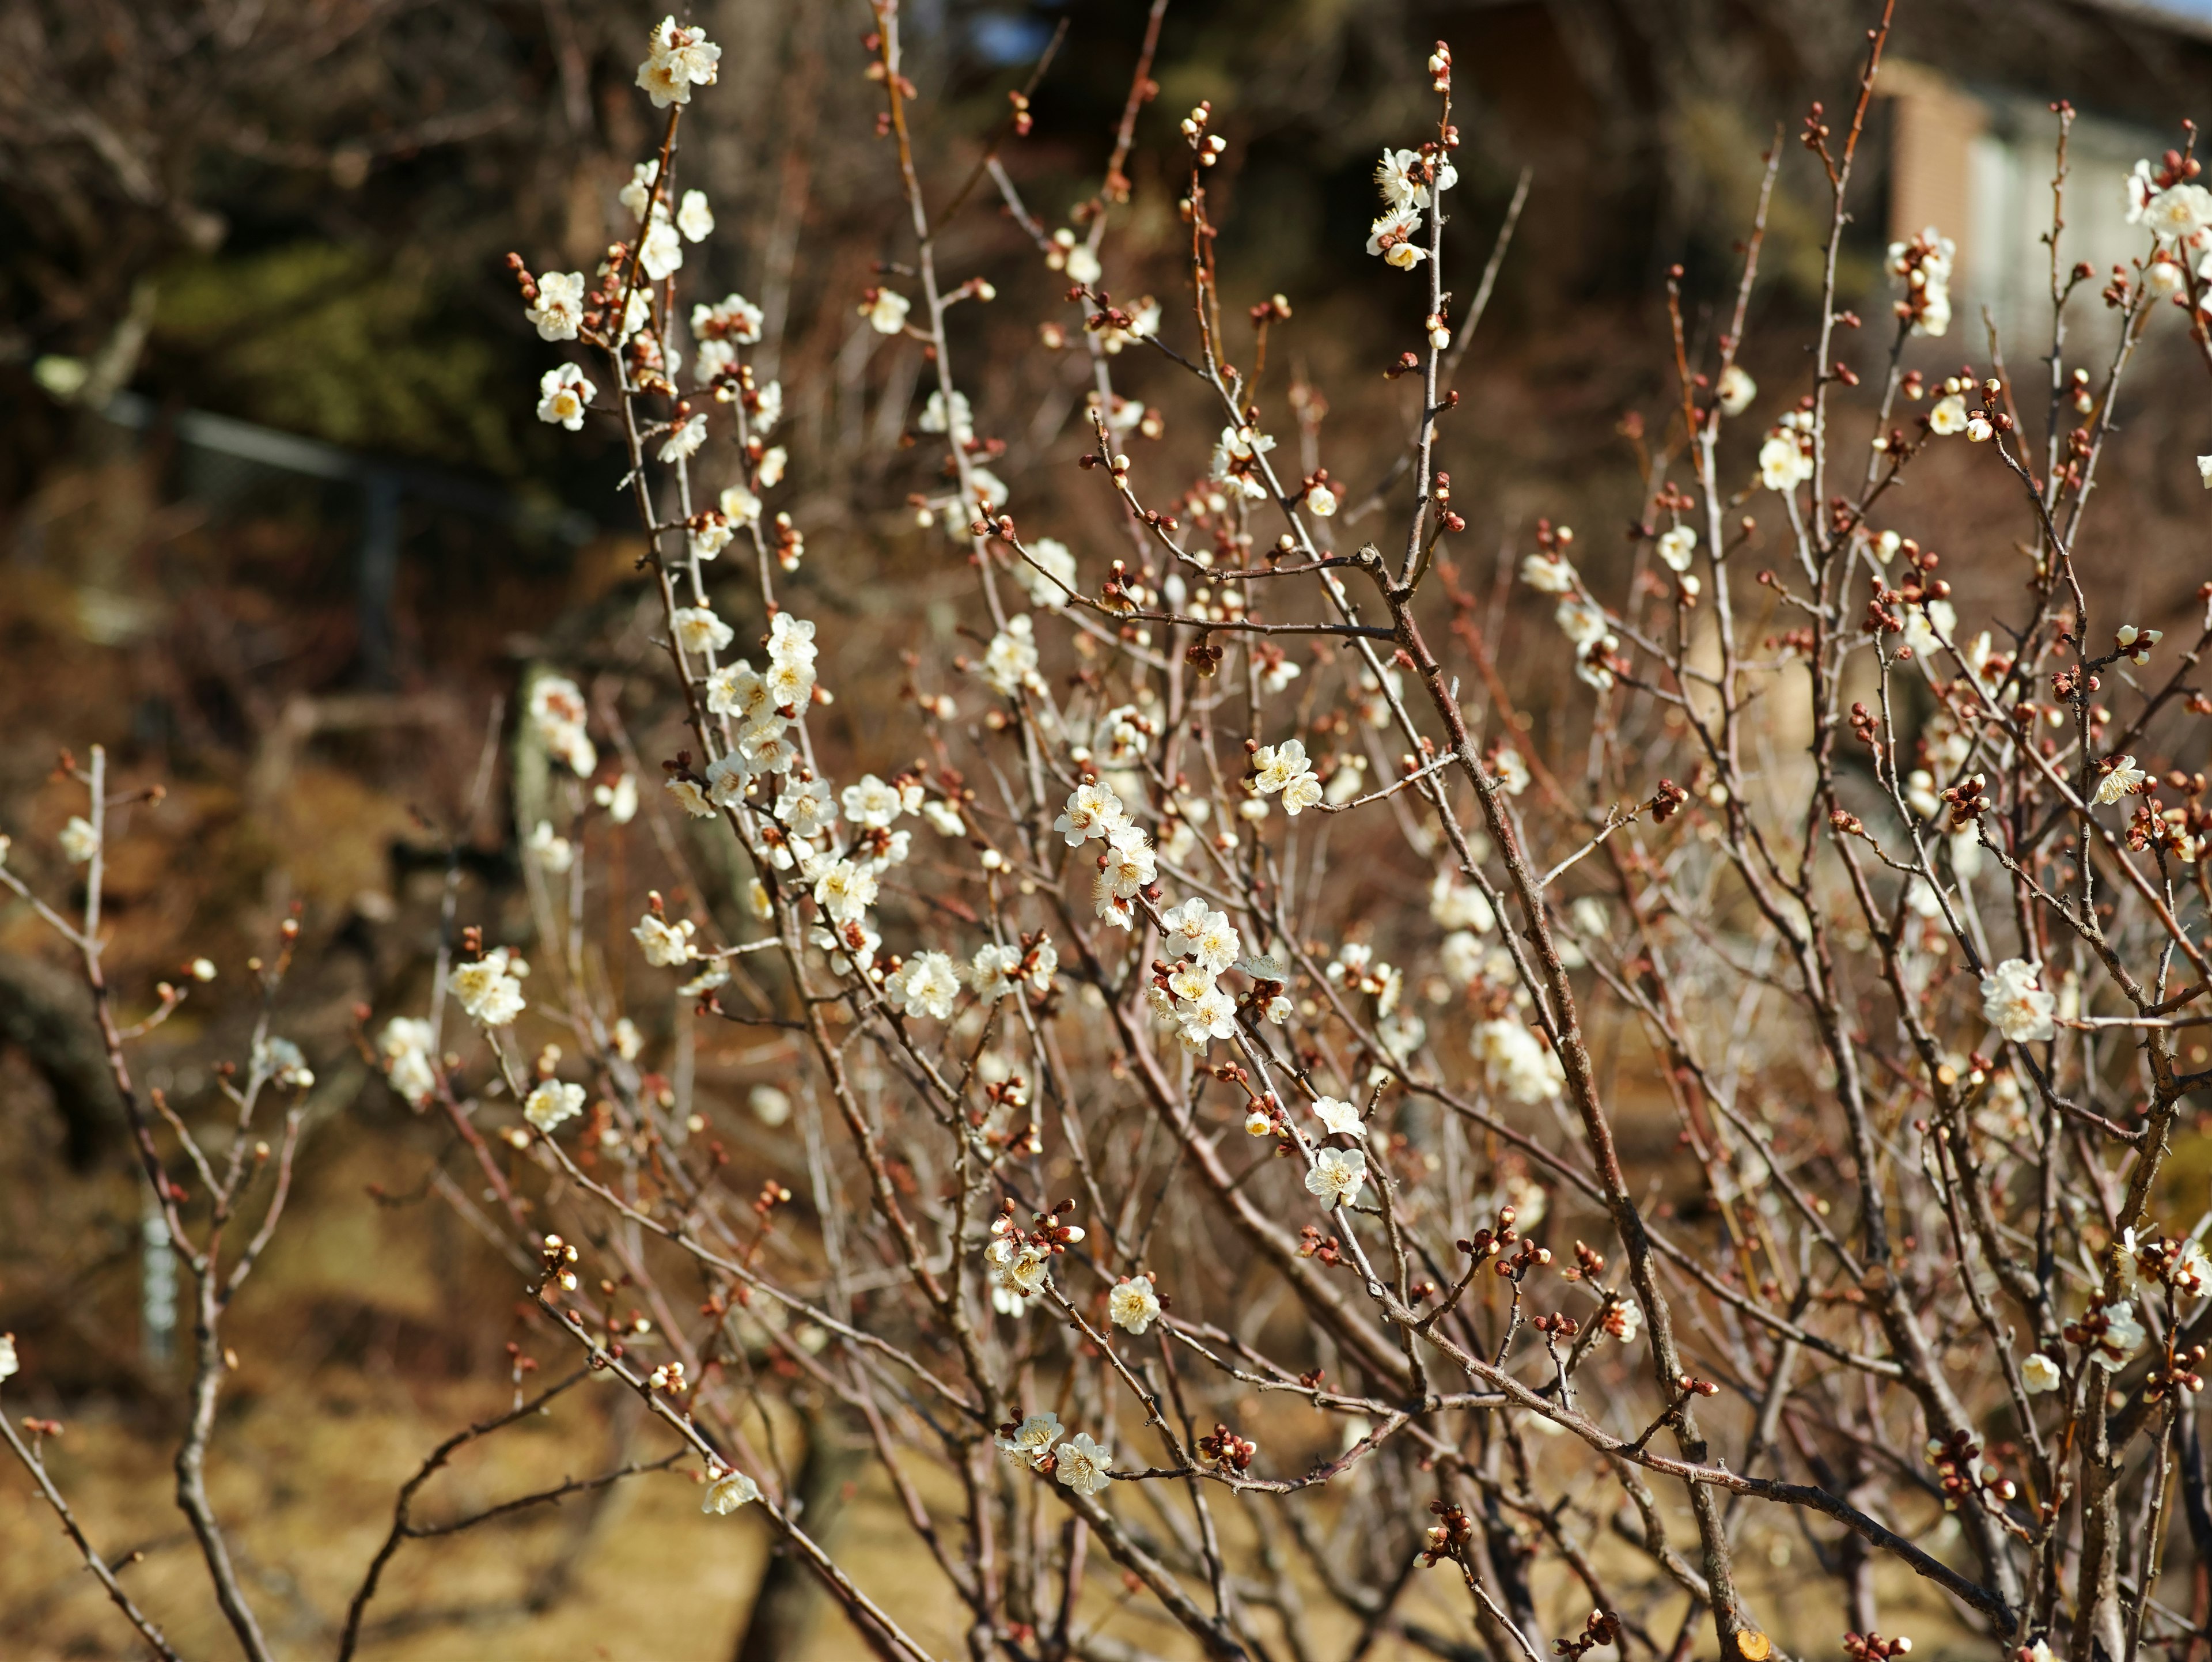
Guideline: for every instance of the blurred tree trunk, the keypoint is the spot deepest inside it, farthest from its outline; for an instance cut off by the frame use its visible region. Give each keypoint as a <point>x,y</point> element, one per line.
<point>45,1014</point>
<point>789,1598</point>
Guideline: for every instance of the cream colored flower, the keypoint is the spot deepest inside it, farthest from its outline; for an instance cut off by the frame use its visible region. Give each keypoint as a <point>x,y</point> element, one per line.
<point>552,1103</point>
<point>1083,1465</point>
<point>727,1491</point>
<point>1133,1306</point>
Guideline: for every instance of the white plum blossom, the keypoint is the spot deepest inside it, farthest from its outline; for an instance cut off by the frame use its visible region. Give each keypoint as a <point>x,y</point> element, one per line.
<point>1392,236</point>
<point>694,802</point>
<point>1929,625</point>
<point>2122,1336</point>
<point>1133,1306</point>
<point>1341,1118</point>
<point>1030,1442</point>
<point>1735,390</point>
<point>885,310</point>
<point>695,218</point>
<point>844,889</point>
<point>739,506</point>
<point>9,1366</point>
<point>726,1491</point>
<point>1048,574</point>
<point>1676,546</point>
<point>661,253</point>
<point>490,989</point>
<point>1321,501</point>
<point>2015,1004</point>
<point>1093,810</point>
<point>734,319</point>
<point>560,307</point>
<point>2119,781</point>
<point>2038,1374</point>
<point>1083,1465</point>
<point>1548,574</point>
<point>563,395</point>
<point>872,803</point>
<point>404,1047</point>
<point>1458,905</point>
<point>698,630</point>
<point>925,984</point>
<point>79,840</point>
<point>1516,1061</point>
<point>2177,213</point>
<point>553,853</point>
<point>1580,622</point>
<point>1236,461</point>
<point>665,944</point>
<point>1782,464</point>
<point>1283,768</point>
<point>552,1103</point>
<point>684,440</point>
<point>991,972</point>
<point>807,806</point>
<point>557,712</point>
<point>637,195</point>
<point>1948,415</point>
<point>1010,663</point>
<point>676,61</point>
<point>1018,1268</point>
<point>1336,1176</point>
<point>932,419</point>
<point>1399,176</point>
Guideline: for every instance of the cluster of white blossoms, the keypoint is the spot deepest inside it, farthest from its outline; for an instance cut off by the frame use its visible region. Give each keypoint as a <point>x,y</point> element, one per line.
<point>2015,1004</point>
<point>1283,768</point>
<point>1048,574</point>
<point>1187,997</point>
<point>403,1048</point>
<point>1128,864</point>
<point>2111,1334</point>
<point>1079,1462</point>
<point>664,944</point>
<point>1589,632</point>
<point>552,1104</point>
<point>1236,461</point>
<point>490,989</point>
<point>2179,212</point>
<point>925,984</point>
<point>557,712</point>
<point>1514,1061</point>
<point>1010,663</point>
<point>1019,1269</point>
<point>762,709</point>
<point>2149,1262</point>
<point>1785,460</point>
<point>1067,252</point>
<point>677,60</point>
<point>1410,180</point>
<point>1923,266</point>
